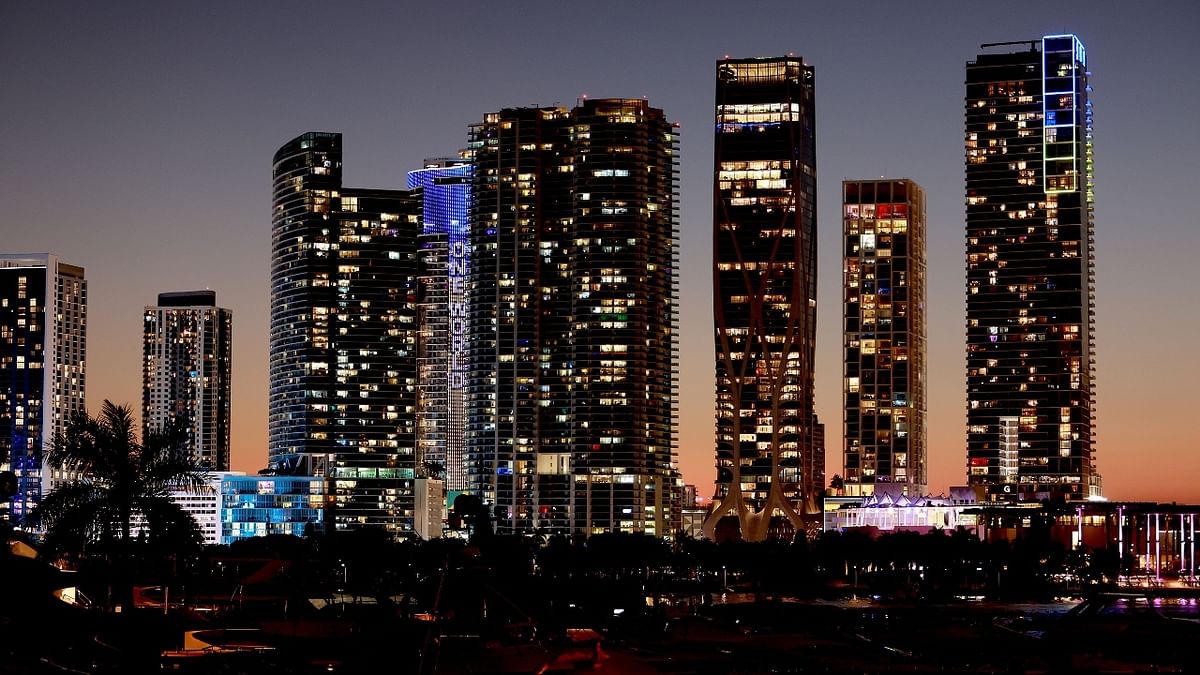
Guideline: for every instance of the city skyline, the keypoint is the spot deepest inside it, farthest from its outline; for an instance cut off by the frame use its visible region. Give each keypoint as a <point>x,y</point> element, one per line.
<point>126,134</point>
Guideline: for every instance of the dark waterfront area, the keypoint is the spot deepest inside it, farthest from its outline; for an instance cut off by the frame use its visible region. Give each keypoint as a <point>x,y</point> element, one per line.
<point>743,637</point>
<point>620,604</point>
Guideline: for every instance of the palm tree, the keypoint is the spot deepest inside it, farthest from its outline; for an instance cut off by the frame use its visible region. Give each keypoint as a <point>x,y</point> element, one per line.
<point>122,487</point>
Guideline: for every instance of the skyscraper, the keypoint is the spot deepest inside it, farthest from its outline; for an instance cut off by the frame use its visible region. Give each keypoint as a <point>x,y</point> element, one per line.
<point>764,292</point>
<point>342,400</point>
<point>442,316</point>
<point>43,353</point>
<point>884,349</point>
<point>187,359</point>
<point>1030,271</point>
<point>623,258</point>
<point>572,318</point>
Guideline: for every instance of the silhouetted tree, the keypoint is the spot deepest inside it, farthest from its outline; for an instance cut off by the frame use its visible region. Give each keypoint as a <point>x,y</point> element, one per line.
<point>122,490</point>
<point>120,481</point>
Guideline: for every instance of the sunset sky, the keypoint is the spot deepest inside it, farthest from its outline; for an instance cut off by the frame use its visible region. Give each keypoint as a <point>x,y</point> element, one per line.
<point>138,140</point>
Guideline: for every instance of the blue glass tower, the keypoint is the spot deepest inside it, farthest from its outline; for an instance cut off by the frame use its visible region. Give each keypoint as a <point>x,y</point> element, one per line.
<point>442,317</point>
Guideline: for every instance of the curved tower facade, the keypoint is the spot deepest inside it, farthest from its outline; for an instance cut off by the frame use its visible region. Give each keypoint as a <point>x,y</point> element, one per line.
<point>623,259</point>
<point>518,408</point>
<point>307,176</point>
<point>343,334</point>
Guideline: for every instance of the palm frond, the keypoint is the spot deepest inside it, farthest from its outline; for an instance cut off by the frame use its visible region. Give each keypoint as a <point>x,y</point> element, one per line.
<point>76,448</point>
<point>127,484</point>
<point>101,446</point>
<point>172,469</point>
<point>167,523</point>
<point>71,515</point>
<point>165,461</point>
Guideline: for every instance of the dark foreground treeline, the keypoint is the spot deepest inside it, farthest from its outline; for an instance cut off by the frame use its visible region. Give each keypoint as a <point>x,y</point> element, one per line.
<point>360,595</point>
<point>901,565</point>
<point>938,566</point>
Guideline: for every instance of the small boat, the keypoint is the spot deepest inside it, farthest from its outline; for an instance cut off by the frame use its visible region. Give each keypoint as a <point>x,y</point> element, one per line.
<point>218,641</point>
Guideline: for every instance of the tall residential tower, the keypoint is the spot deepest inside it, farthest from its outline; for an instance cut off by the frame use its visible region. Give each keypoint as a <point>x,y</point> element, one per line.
<point>1030,271</point>
<point>884,349</point>
<point>343,368</point>
<point>43,351</point>
<point>572,318</point>
<point>187,359</point>
<point>442,317</point>
<point>764,293</point>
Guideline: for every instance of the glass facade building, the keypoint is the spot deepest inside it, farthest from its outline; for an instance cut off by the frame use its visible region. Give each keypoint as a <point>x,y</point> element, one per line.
<point>1030,271</point>
<point>442,316</point>
<point>256,506</point>
<point>342,399</point>
<point>43,354</point>
<point>572,318</point>
<point>764,294</point>
<point>187,360</point>
<point>884,274</point>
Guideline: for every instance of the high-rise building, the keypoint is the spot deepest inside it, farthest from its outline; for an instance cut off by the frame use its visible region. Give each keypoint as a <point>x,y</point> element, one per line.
<point>442,317</point>
<point>1030,271</point>
<point>572,318</point>
<point>883,222</point>
<point>764,294</point>
<point>43,352</point>
<point>187,350</point>
<point>342,399</point>
<point>518,404</point>
<point>623,260</point>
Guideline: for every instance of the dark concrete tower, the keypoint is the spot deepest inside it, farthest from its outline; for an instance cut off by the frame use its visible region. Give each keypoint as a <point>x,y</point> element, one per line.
<point>572,307</point>
<point>1030,271</point>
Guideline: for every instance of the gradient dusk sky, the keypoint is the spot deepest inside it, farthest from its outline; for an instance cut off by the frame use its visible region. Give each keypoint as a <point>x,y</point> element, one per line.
<point>139,136</point>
